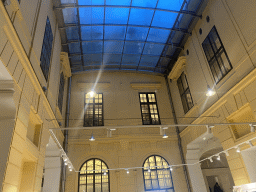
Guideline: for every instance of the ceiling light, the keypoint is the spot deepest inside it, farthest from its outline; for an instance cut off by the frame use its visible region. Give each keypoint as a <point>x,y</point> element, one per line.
<point>92,138</point>
<point>210,92</point>
<point>238,149</point>
<point>211,159</point>
<point>91,93</point>
<point>70,169</point>
<point>66,163</point>
<point>165,136</point>
<point>218,157</point>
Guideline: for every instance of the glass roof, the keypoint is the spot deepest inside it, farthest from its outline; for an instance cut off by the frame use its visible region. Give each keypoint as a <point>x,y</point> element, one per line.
<point>140,35</point>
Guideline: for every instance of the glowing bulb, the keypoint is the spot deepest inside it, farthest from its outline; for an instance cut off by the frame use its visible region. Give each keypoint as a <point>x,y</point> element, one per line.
<point>65,163</point>
<point>211,159</point>
<point>70,169</point>
<point>204,138</point>
<point>105,173</point>
<point>149,170</point>
<point>165,136</point>
<point>171,169</point>
<point>210,92</point>
<point>238,149</point>
<point>65,159</point>
<point>218,157</point>
<point>92,138</point>
<point>127,171</point>
<point>91,93</point>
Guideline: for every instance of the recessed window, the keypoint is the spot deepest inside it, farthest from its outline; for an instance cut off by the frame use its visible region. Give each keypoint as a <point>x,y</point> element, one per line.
<point>158,178</point>
<point>61,92</point>
<point>97,180</point>
<point>216,55</point>
<point>93,110</point>
<point>185,94</point>
<point>149,110</point>
<point>46,52</point>
<point>34,129</point>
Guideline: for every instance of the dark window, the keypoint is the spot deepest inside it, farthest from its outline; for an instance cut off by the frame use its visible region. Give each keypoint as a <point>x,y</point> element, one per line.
<point>61,91</point>
<point>158,178</point>
<point>45,58</point>
<point>149,110</point>
<point>93,110</point>
<point>185,94</point>
<point>216,55</point>
<point>93,181</point>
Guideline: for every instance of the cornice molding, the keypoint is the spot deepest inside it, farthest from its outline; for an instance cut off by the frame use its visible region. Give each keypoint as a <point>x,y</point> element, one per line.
<point>178,68</point>
<point>64,60</point>
<point>154,86</point>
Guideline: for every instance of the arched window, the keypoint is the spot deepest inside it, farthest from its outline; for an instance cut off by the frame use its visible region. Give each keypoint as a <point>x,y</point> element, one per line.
<point>94,181</point>
<point>157,179</point>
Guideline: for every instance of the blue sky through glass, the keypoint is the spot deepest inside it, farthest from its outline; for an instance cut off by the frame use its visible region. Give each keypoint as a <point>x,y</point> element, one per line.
<point>123,32</point>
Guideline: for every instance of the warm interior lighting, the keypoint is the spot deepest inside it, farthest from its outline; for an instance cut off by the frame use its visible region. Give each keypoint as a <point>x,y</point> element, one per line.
<point>70,169</point>
<point>91,93</point>
<point>210,92</point>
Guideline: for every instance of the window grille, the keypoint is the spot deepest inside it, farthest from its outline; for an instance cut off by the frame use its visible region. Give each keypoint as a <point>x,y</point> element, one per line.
<point>149,109</point>
<point>158,179</point>
<point>216,55</point>
<point>185,94</point>
<point>92,181</point>
<point>93,110</point>
<point>45,58</point>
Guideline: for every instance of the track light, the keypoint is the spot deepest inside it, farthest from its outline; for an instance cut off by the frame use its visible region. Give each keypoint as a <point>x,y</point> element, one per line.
<point>238,149</point>
<point>211,159</point>
<point>226,152</point>
<point>210,92</point>
<point>92,138</point>
<point>109,132</point>
<point>105,173</point>
<point>149,170</point>
<point>171,169</point>
<point>252,128</point>
<point>218,157</point>
<point>127,171</point>
<point>250,143</point>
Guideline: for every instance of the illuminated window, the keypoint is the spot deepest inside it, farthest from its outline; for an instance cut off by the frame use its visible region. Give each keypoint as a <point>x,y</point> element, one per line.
<point>46,52</point>
<point>149,110</point>
<point>185,94</point>
<point>93,181</point>
<point>159,179</point>
<point>216,55</point>
<point>93,110</point>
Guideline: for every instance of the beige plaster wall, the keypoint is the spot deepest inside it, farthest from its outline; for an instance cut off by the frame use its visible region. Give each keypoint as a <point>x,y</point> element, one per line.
<point>127,147</point>
<point>235,92</point>
<point>21,36</point>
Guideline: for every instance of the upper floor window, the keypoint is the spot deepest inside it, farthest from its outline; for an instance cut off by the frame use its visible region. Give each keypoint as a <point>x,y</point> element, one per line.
<point>93,181</point>
<point>61,91</point>
<point>185,94</point>
<point>158,178</point>
<point>46,52</point>
<point>93,110</point>
<point>216,55</point>
<point>149,110</point>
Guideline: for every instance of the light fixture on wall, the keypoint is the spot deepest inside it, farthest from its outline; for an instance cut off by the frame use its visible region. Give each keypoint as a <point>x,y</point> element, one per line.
<point>92,138</point>
<point>238,149</point>
<point>91,93</point>
<point>105,173</point>
<point>165,136</point>
<point>210,92</point>
<point>70,169</point>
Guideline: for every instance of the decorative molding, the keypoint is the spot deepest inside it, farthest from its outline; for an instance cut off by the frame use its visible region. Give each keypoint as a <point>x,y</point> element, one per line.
<point>178,68</point>
<point>64,60</point>
<point>6,85</point>
<point>154,86</point>
<point>100,86</point>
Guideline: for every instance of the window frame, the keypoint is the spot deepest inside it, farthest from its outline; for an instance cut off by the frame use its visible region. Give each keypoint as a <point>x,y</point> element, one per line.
<point>143,170</point>
<point>216,56</point>
<point>185,91</point>
<point>108,173</point>
<point>94,110</point>
<point>148,103</point>
<point>45,67</point>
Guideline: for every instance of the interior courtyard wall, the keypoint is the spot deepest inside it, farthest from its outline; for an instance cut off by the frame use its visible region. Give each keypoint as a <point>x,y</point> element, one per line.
<point>235,92</point>
<point>20,52</point>
<point>127,147</point>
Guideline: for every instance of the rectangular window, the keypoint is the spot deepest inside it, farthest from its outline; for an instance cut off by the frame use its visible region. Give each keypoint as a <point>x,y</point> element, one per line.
<point>185,94</point>
<point>216,55</point>
<point>93,110</point>
<point>149,110</point>
<point>46,52</point>
<point>61,92</point>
